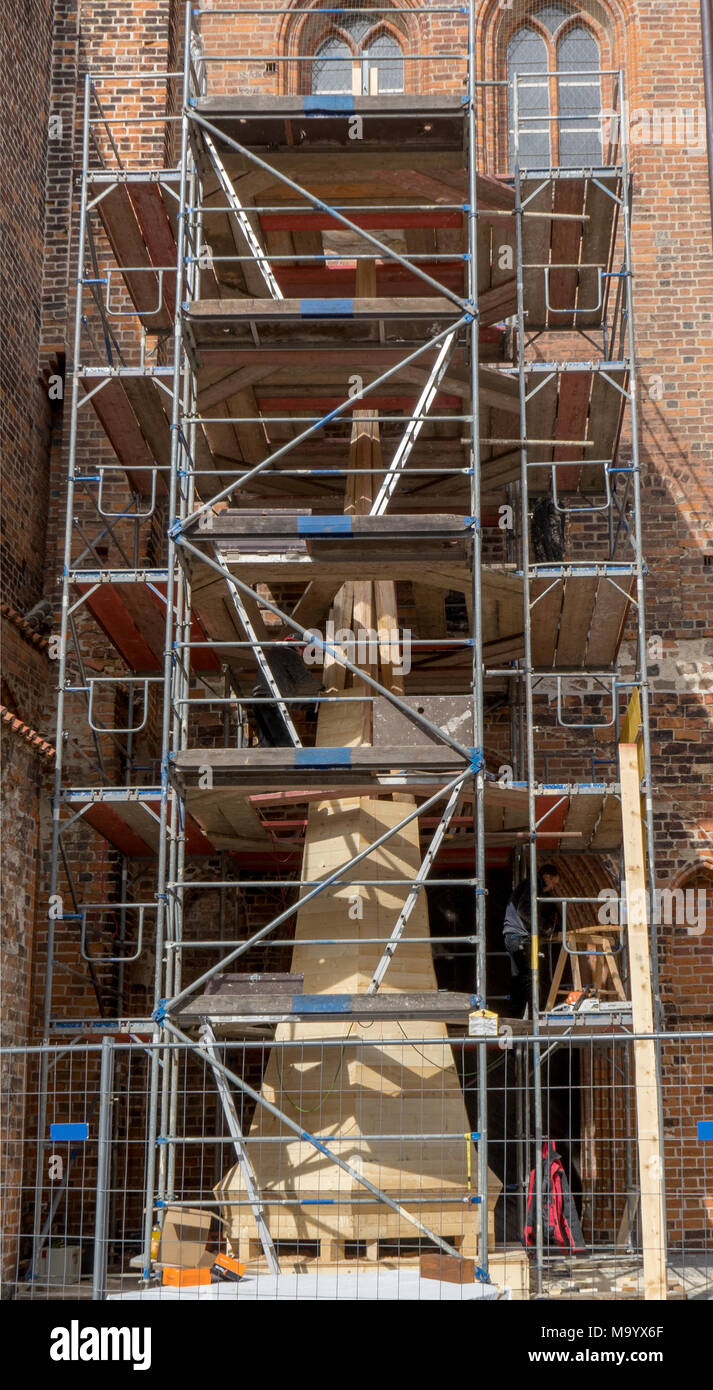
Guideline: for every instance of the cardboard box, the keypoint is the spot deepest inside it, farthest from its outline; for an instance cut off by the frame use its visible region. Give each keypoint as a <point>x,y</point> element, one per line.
<point>226,1267</point>
<point>184,1238</point>
<point>184,1278</point>
<point>448,1268</point>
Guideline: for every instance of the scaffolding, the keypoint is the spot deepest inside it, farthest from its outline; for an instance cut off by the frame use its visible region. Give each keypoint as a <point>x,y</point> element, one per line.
<point>353,477</point>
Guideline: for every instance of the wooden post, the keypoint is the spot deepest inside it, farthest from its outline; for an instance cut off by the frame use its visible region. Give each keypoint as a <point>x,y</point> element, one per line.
<point>645,1077</point>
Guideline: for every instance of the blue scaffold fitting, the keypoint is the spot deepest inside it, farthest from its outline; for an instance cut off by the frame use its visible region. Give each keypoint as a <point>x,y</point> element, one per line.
<point>482,1275</point>
<point>159,1014</point>
<point>310,1138</point>
<point>477,761</point>
<point>477,1001</point>
<point>160,1204</point>
<point>161,1139</point>
<point>174,530</point>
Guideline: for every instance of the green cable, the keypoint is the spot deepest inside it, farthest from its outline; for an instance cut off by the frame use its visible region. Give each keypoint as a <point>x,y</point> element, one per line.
<point>311,1110</point>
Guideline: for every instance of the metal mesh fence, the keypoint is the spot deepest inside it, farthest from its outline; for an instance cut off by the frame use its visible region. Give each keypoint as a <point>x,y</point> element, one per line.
<point>327,1160</point>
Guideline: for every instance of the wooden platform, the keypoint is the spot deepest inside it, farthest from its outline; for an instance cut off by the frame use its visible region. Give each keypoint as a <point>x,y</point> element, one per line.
<point>441,1006</point>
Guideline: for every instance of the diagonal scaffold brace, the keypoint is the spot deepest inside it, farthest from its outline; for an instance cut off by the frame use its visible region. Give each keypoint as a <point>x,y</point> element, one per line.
<point>208,1044</point>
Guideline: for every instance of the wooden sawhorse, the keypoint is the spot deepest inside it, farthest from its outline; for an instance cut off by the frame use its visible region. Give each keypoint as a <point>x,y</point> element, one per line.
<point>601,961</point>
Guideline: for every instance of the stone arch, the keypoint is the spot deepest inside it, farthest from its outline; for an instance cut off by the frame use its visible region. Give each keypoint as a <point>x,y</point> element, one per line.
<point>613,24</point>
<point>301,35</point>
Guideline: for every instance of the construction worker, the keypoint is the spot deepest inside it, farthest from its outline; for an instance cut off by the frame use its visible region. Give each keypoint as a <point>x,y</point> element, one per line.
<point>516,933</point>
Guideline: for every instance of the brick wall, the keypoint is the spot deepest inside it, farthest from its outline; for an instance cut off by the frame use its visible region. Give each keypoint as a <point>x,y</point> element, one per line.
<point>25,423</point>
<point>28,29</point>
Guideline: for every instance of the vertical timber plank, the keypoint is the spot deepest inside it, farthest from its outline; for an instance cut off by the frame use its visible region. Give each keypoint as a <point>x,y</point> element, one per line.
<point>647,1111</point>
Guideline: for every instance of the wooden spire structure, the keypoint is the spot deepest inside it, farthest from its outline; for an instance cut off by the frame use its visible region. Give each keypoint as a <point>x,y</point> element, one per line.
<point>409,1092</point>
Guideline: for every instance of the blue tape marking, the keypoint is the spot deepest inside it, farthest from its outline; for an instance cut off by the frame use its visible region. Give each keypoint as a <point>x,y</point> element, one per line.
<point>705,1131</point>
<point>323,757</point>
<point>324,525</point>
<point>326,308</point>
<point>313,105</point>
<point>317,1202</point>
<point>68,1133</point>
<point>320,1003</point>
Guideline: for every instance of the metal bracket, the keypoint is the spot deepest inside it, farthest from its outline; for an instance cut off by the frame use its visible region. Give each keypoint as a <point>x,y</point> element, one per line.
<point>117,680</point>
<point>583,724</point>
<point>588,309</point>
<point>131,516</point>
<point>113,907</point>
<point>133,312</point>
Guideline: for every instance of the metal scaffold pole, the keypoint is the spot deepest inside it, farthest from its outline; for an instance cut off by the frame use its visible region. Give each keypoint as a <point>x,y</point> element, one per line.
<point>160,1108</point>
<point>529,718</point>
<point>481,984</point>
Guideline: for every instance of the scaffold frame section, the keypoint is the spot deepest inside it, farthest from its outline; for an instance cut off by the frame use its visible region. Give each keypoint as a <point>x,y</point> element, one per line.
<point>214,545</point>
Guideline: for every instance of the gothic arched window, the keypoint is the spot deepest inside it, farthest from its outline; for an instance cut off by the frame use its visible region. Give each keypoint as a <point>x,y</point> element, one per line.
<point>579,98</point>
<point>555,59</point>
<point>330,73</point>
<point>528,59</point>
<point>376,58</point>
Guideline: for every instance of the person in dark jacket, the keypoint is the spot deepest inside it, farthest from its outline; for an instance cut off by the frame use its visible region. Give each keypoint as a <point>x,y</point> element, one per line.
<point>517,925</point>
<point>292,678</point>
